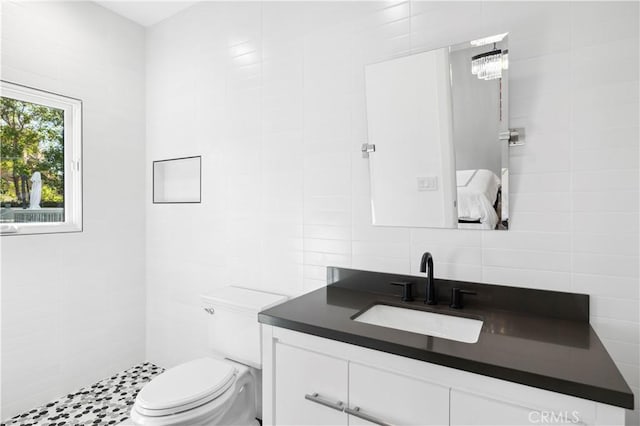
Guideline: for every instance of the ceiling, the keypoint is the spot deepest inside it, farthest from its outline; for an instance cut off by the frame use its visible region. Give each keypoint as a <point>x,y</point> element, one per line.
<point>146,12</point>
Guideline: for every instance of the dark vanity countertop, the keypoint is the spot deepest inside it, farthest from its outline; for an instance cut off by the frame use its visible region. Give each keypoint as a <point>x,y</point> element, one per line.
<point>548,352</point>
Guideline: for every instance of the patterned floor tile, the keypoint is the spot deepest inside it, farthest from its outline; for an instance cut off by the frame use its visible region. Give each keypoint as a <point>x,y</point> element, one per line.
<point>107,402</point>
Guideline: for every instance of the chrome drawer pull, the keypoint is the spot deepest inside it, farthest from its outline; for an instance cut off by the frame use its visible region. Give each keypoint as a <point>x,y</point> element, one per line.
<point>356,412</point>
<point>315,397</point>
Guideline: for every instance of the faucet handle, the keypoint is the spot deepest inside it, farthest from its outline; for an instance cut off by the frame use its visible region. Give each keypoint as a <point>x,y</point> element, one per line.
<point>407,293</point>
<point>456,297</point>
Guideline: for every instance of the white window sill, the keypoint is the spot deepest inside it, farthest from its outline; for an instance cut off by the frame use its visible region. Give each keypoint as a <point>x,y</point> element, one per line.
<point>11,229</point>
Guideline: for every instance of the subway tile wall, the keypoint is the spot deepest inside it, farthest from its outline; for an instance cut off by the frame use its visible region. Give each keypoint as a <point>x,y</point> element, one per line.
<point>272,96</point>
<point>73,305</point>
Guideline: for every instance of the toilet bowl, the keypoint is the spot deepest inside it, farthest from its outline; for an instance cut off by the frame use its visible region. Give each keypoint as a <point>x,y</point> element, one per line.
<point>205,391</point>
<point>221,389</point>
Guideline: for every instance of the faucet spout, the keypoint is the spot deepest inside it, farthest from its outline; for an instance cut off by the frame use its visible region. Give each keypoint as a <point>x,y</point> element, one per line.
<point>426,265</point>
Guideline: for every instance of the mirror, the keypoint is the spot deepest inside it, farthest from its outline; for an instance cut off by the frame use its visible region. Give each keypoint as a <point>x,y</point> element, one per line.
<point>437,151</point>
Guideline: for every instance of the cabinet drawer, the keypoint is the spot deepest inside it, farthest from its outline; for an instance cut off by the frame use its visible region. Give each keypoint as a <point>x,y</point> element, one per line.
<point>300,373</point>
<point>395,398</point>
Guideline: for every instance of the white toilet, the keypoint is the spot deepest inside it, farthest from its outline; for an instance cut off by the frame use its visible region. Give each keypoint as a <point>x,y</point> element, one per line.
<point>224,389</point>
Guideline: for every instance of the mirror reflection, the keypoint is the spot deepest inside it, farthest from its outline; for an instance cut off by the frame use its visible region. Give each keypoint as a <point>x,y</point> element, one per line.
<point>435,152</point>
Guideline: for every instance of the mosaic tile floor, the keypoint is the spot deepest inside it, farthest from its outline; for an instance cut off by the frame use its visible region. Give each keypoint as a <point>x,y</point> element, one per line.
<point>107,402</point>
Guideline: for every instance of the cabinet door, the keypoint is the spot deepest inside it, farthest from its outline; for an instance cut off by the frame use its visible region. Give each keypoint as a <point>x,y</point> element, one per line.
<point>309,387</point>
<point>470,409</point>
<point>395,399</point>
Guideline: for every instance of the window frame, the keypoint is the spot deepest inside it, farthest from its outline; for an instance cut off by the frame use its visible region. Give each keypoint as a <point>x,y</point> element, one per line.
<point>73,132</point>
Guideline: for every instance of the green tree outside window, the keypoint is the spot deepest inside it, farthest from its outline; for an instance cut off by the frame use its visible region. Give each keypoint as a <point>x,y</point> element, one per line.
<point>31,140</point>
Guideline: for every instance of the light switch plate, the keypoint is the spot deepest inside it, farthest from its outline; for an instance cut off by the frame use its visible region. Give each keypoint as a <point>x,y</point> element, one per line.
<point>427,183</point>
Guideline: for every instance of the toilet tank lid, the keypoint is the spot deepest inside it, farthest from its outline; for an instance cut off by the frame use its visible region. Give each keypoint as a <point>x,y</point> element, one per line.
<point>242,298</point>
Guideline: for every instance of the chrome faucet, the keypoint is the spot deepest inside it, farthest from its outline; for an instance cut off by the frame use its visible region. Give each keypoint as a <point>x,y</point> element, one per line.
<point>430,297</point>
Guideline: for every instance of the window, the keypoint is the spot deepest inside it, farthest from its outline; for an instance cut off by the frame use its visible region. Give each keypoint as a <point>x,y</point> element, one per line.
<point>40,161</point>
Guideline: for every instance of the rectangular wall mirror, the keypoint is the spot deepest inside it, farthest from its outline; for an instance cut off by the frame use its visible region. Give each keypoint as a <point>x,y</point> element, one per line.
<point>177,180</point>
<point>436,149</point>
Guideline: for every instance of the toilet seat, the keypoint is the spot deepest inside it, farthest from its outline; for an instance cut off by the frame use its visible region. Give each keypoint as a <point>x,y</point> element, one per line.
<point>186,386</point>
<point>208,413</point>
<point>233,403</point>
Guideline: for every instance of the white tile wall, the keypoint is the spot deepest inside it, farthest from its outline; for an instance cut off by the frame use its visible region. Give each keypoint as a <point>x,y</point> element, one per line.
<point>272,96</point>
<point>73,305</point>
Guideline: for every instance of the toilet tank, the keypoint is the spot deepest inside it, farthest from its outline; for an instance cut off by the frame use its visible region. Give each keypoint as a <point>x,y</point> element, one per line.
<point>233,327</point>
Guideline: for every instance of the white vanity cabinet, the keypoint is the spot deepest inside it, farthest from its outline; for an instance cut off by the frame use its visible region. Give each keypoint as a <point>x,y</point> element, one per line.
<point>469,409</point>
<point>306,380</point>
<point>313,380</point>
<point>395,398</point>
<point>312,388</point>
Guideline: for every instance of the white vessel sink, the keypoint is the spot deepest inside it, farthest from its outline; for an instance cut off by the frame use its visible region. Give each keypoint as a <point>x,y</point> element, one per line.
<point>445,326</point>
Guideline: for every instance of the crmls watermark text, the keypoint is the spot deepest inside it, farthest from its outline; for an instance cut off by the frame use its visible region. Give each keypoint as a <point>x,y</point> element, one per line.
<point>554,417</point>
